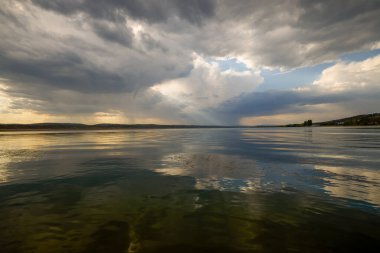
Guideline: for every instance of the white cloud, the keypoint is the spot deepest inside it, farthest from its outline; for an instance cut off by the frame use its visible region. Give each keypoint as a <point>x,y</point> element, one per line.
<point>208,86</point>
<point>351,76</point>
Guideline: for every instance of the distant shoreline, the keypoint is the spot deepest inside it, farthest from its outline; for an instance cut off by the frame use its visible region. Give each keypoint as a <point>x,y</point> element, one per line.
<point>84,127</point>
<point>367,120</point>
<point>372,119</point>
<point>30,128</point>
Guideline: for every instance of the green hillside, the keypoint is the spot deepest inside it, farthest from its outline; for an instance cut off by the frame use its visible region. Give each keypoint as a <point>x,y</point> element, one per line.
<point>359,120</point>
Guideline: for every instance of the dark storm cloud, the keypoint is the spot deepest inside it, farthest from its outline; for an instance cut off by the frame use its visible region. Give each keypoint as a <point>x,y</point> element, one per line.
<point>148,10</point>
<point>66,70</point>
<point>339,26</point>
<point>30,56</point>
<point>114,32</point>
<point>272,102</point>
<point>292,33</point>
<point>323,13</point>
<point>70,71</point>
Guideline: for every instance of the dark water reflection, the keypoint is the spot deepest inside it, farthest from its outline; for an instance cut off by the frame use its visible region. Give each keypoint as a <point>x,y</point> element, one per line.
<point>194,190</point>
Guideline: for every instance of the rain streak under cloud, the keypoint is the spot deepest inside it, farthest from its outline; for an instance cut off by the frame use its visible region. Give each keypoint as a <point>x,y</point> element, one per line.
<point>188,62</point>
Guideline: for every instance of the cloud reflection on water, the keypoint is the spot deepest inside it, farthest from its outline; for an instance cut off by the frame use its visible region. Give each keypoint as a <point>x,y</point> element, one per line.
<point>352,183</point>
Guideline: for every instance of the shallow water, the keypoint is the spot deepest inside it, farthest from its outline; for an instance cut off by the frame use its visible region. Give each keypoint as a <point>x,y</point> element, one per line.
<point>191,190</point>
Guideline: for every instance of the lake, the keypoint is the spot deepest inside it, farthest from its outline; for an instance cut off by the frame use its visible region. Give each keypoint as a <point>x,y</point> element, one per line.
<point>191,190</point>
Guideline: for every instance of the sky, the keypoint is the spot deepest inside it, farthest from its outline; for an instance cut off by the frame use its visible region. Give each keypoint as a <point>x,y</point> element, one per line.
<point>208,62</point>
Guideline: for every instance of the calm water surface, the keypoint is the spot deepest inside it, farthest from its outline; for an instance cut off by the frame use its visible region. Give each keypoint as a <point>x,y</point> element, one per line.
<point>191,190</point>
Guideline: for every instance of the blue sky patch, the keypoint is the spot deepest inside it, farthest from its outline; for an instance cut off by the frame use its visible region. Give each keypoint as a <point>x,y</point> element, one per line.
<point>277,80</point>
